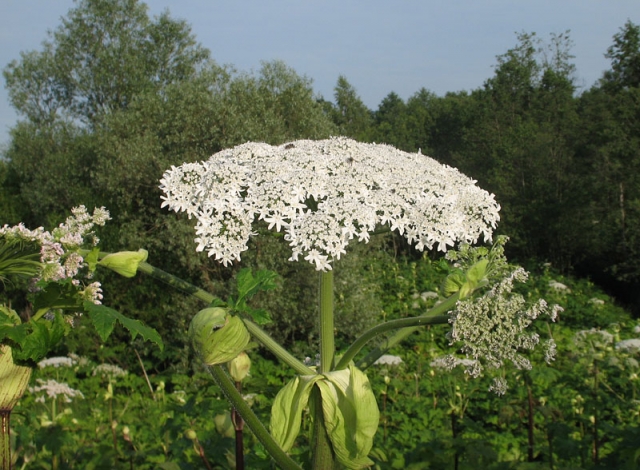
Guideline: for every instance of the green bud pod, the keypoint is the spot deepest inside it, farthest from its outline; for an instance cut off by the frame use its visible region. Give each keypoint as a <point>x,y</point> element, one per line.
<point>224,425</point>
<point>124,263</point>
<point>217,337</point>
<point>239,367</point>
<point>190,434</point>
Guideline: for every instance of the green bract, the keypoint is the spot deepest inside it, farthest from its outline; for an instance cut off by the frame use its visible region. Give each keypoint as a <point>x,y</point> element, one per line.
<point>349,409</point>
<point>217,336</point>
<point>239,367</point>
<point>124,263</point>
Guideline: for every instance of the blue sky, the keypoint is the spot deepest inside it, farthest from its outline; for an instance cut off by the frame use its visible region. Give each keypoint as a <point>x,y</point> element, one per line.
<point>380,46</point>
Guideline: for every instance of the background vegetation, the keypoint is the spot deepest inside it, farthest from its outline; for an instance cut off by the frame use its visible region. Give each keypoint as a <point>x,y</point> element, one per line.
<point>114,98</point>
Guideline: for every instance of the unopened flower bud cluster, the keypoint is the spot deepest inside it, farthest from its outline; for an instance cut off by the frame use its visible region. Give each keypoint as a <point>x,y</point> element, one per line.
<point>325,193</point>
<point>492,328</point>
<point>58,248</point>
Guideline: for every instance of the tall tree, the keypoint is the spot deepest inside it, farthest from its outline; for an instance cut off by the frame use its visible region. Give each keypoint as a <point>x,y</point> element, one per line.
<point>390,123</point>
<point>610,145</point>
<point>624,54</point>
<point>103,55</point>
<point>520,147</point>
<point>350,114</point>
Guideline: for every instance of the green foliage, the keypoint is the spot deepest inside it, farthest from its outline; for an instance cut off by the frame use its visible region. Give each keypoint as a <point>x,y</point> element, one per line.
<point>105,318</point>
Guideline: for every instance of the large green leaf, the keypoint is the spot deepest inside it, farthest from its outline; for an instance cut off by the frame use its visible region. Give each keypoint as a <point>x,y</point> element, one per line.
<point>37,338</point>
<point>104,319</point>
<point>351,415</point>
<point>286,412</point>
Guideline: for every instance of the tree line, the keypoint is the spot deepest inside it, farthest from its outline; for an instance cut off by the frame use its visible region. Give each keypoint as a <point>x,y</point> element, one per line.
<point>114,98</point>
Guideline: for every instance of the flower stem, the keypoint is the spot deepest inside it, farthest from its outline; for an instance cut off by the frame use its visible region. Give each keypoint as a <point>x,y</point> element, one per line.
<point>368,335</point>
<point>229,389</point>
<point>437,311</point>
<point>323,456</point>
<point>327,340</point>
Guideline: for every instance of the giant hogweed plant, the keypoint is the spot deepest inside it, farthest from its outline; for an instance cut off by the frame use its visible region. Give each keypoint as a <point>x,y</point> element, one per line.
<point>324,195</point>
<point>56,267</point>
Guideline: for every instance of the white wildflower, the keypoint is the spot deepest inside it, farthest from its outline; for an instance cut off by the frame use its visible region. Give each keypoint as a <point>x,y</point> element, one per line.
<point>388,360</point>
<point>55,389</point>
<point>429,295</point>
<point>596,301</point>
<point>80,360</point>
<point>322,194</point>
<point>629,345</point>
<point>594,337</point>
<point>636,329</point>
<point>57,362</point>
<point>499,386</point>
<point>449,362</point>
<point>93,293</point>
<point>558,286</point>
<point>58,248</point>
<point>109,371</point>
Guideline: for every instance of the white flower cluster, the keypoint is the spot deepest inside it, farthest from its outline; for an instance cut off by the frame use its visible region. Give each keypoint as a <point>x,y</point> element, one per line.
<point>594,338</point>
<point>109,371</point>
<point>56,362</point>
<point>324,194</point>
<point>54,389</point>
<point>492,328</point>
<point>450,362</point>
<point>388,360</point>
<point>58,248</point>
<point>629,345</point>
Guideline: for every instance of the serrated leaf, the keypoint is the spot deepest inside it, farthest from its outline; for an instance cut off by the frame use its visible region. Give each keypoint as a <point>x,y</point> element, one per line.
<point>249,284</point>
<point>8,316</point>
<point>104,319</point>
<point>56,295</point>
<point>16,334</point>
<point>259,315</point>
<point>43,336</point>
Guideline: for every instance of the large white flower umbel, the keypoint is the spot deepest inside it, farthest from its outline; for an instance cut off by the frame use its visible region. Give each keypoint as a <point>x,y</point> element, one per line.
<point>323,194</point>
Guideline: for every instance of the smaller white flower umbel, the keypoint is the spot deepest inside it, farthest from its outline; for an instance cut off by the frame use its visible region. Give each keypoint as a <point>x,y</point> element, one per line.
<point>325,193</point>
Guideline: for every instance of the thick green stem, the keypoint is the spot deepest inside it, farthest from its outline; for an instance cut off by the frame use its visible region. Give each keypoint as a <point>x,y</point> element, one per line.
<point>327,340</point>
<point>368,335</point>
<point>235,398</point>
<point>402,334</point>
<point>175,282</point>
<point>323,456</point>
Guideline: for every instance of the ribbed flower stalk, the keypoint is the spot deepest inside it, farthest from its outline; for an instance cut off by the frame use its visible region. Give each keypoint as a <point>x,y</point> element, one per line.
<point>13,383</point>
<point>323,457</point>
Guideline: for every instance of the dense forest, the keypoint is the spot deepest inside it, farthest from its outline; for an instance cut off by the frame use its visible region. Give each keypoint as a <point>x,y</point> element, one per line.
<point>114,98</point>
<point>112,101</point>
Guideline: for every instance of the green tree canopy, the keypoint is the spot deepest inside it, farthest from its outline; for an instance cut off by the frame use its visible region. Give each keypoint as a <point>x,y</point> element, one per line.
<point>103,55</point>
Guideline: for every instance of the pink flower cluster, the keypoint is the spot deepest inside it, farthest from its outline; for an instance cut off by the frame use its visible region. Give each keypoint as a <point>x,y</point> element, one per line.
<point>59,248</point>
